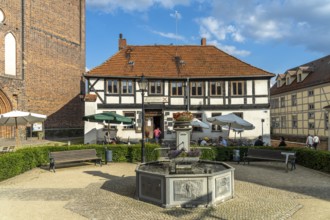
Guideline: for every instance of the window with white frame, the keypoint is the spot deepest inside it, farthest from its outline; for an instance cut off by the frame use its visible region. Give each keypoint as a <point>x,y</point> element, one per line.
<point>130,115</point>
<point>126,86</point>
<point>216,127</point>
<point>113,85</point>
<point>282,102</point>
<point>155,87</point>
<point>311,125</point>
<point>311,106</point>
<point>275,122</point>
<point>274,103</point>
<point>278,83</point>
<point>216,88</point>
<point>283,121</point>
<point>299,78</point>
<point>177,88</point>
<point>196,88</point>
<point>310,92</point>
<point>294,100</point>
<point>237,88</point>
<point>311,115</point>
<point>199,116</point>
<point>294,121</point>
<point>239,114</point>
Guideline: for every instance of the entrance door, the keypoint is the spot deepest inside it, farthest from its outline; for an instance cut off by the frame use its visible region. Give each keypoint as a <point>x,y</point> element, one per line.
<point>153,120</point>
<point>149,127</point>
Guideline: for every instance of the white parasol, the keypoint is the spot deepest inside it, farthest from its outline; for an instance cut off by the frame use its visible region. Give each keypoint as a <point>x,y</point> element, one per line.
<point>198,123</point>
<point>15,118</point>
<point>231,120</point>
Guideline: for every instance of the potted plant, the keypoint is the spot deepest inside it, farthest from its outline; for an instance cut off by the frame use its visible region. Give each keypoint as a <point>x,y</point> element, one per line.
<point>183,116</point>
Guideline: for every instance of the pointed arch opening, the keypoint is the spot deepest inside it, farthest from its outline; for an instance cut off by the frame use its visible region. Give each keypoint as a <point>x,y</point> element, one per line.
<point>10,54</point>
<point>5,106</point>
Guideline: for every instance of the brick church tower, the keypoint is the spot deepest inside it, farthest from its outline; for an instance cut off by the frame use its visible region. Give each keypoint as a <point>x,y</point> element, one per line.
<point>42,59</point>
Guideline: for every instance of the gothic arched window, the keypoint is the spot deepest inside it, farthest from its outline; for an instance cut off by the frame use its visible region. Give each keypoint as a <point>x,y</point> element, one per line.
<point>10,54</point>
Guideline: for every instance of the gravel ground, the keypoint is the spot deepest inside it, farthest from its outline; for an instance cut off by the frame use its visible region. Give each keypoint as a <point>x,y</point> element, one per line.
<point>263,190</point>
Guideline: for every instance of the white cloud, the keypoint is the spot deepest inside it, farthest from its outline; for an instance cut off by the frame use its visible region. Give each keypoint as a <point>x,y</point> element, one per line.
<point>232,50</point>
<point>168,35</point>
<point>110,6</point>
<point>211,27</point>
<point>304,23</point>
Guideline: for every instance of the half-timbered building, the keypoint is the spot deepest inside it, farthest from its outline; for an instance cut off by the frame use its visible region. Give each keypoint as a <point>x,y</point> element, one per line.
<point>198,78</point>
<point>298,101</point>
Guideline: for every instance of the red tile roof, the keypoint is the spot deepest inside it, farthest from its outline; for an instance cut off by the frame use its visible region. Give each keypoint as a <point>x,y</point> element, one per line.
<point>170,61</point>
<point>319,73</point>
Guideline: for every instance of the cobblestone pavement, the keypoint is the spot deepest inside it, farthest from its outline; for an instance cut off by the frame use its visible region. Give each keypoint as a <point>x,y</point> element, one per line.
<point>263,190</point>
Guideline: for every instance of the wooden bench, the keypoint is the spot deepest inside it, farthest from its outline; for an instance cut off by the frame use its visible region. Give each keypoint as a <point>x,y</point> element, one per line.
<point>272,155</point>
<point>73,156</point>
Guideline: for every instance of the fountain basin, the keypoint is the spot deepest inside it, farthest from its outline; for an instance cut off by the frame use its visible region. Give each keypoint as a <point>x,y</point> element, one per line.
<point>170,184</point>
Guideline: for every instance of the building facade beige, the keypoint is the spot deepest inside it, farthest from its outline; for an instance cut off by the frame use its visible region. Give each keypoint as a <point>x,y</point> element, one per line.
<point>297,102</point>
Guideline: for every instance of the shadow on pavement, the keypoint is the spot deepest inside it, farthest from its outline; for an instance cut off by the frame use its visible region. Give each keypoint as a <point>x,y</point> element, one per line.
<point>122,185</point>
<point>272,174</point>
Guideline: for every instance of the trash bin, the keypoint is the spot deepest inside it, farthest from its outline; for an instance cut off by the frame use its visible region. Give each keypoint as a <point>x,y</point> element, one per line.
<point>108,156</point>
<point>236,156</point>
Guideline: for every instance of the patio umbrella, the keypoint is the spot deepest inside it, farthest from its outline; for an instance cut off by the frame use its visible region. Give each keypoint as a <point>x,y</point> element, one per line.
<point>231,120</point>
<point>198,123</point>
<point>15,118</point>
<point>108,117</point>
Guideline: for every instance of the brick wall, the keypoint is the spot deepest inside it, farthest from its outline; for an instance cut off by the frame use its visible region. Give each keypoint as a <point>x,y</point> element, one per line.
<point>50,68</point>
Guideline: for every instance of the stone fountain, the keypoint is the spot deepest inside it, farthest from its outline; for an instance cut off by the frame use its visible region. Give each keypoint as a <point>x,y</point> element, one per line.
<point>184,181</point>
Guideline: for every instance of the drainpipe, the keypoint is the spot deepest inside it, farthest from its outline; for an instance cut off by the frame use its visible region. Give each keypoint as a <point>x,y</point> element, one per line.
<point>22,37</point>
<point>188,95</point>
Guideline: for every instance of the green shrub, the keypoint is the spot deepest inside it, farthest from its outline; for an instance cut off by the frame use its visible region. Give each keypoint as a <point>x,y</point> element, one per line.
<point>15,163</point>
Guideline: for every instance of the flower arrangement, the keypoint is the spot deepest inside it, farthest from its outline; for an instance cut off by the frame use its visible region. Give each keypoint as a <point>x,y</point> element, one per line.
<point>194,152</point>
<point>183,116</point>
<point>182,153</point>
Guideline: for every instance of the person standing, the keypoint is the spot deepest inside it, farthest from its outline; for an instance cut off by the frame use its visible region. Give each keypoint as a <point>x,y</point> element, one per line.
<point>259,142</point>
<point>282,142</point>
<point>309,141</point>
<point>157,133</point>
<point>222,141</point>
<point>316,141</point>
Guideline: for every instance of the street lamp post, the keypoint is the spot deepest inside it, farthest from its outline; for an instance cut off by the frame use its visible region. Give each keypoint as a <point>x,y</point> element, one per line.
<point>262,127</point>
<point>143,84</point>
<point>327,108</point>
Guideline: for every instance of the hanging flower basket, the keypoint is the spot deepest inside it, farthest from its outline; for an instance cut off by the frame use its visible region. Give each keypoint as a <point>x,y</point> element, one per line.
<point>183,116</point>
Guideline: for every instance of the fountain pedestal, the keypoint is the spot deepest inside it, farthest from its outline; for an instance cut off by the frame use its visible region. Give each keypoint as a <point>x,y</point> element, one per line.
<point>183,130</point>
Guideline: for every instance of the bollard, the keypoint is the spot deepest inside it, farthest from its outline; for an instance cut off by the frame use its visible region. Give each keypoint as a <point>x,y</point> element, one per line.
<point>236,156</point>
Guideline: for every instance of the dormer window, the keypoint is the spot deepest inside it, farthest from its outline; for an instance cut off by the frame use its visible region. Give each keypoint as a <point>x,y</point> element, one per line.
<point>279,83</point>
<point>288,80</point>
<point>299,79</point>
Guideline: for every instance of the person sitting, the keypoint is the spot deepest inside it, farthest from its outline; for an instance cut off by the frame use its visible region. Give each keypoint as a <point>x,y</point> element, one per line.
<point>282,142</point>
<point>108,139</point>
<point>222,142</point>
<point>204,142</point>
<point>259,142</point>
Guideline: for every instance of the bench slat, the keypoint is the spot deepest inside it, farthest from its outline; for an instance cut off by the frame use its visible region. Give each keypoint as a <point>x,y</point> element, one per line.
<point>265,154</point>
<point>72,156</point>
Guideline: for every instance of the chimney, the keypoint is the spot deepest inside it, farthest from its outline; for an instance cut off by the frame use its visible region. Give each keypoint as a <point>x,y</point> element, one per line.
<point>122,42</point>
<point>203,41</point>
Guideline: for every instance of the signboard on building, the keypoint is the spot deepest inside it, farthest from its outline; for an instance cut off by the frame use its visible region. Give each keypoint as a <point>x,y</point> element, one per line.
<point>37,126</point>
<point>160,99</point>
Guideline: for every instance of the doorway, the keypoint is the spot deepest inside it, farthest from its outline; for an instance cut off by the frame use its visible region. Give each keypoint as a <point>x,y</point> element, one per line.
<point>153,119</point>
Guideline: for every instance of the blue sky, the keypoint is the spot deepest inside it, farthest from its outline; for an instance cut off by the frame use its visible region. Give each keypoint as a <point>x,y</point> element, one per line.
<point>274,35</point>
